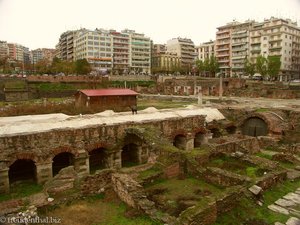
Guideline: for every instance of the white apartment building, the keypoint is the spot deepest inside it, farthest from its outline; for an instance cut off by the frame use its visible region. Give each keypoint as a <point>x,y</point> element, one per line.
<point>185,49</point>
<point>18,53</point>
<point>236,42</point>
<point>96,47</point>
<point>205,50</point>
<point>278,37</point>
<point>42,53</point>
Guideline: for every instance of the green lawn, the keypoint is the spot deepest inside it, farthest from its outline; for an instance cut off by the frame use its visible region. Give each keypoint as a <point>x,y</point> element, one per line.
<point>21,190</point>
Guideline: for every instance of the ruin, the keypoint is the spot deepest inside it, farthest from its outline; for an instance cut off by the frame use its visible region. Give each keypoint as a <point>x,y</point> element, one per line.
<point>178,166</point>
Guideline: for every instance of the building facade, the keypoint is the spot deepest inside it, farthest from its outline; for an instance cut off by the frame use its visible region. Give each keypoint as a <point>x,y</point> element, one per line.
<point>165,62</point>
<point>66,45</point>
<point>205,50</point>
<point>96,47</point>
<point>236,42</point>
<point>139,52</point>
<point>42,54</point>
<point>185,49</point>
<point>4,50</point>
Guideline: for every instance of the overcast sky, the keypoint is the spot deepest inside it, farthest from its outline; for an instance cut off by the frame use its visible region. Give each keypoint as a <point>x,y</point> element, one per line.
<point>39,23</point>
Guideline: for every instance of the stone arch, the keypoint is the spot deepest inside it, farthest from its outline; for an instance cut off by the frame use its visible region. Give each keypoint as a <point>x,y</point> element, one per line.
<point>62,160</point>
<point>130,155</point>
<point>23,155</point>
<point>179,141</point>
<point>97,159</point>
<point>22,170</point>
<point>255,126</point>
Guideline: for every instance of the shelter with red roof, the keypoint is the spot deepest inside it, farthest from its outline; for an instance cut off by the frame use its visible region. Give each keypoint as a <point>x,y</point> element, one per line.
<point>106,99</point>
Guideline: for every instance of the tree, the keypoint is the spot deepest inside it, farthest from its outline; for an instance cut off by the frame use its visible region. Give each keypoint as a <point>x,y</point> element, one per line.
<point>82,66</point>
<point>249,67</point>
<point>261,65</point>
<point>200,66</point>
<point>274,65</point>
<point>213,65</point>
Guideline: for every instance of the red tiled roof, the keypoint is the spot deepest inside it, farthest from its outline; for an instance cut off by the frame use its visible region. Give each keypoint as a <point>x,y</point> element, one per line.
<point>108,92</point>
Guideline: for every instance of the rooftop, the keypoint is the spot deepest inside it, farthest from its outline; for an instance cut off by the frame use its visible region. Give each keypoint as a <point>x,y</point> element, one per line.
<point>108,92</point>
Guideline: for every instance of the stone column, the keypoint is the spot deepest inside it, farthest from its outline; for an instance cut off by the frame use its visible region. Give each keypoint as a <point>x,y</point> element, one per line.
<point>109,160</point>
<point>189,145</point>
<point>81,164</point>
<point>117,161</point>
<point>144,154</point>
<point>43,172</point>
<point>4,180</point>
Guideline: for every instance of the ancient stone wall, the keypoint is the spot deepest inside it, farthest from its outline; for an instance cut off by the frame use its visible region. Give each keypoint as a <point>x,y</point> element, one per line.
<point>96,183</point>
<point>271,179</point>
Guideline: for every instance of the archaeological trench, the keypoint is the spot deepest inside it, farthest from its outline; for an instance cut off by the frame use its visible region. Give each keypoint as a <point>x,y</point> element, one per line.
<point>220,150</point>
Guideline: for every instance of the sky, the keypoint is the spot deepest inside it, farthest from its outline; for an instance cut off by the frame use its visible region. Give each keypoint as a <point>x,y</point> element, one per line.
<point>39,23</point>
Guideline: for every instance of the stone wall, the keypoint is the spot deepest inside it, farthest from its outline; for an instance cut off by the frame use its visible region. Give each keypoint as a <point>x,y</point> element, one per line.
<point>223,178</point>
<point>271,179</point>
<point>42,147</point>
<point>132,193</point>
<point>96,183</point>
<point>245,145</point>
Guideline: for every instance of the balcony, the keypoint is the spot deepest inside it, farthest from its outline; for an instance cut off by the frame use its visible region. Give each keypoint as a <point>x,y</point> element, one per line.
<point>239,49</point>
<point>222,49</point>
<point>223,31</point>
<point>274,48</point>
<point>255,50</point>
<point>275,40</point>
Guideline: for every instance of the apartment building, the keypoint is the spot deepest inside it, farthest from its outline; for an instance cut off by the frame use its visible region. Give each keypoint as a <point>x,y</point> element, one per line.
<point>66,45</point>
<point>237,41</point>
<point>159,48</point>
<point>96,47</point>
<point>121,52</point>
<point>185,49</point>
<point>278,37</point>
<point>139,51</point>
<point>18,53</point>
<point>205,50</point>
<point>4,50</point>
<point>42,53</point>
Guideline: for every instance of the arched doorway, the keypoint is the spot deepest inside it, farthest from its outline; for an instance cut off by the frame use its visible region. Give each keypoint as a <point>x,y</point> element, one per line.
<point>97,158</point>
<point>180,141</point>
<point>130,155</point>
<point>199,139</point>
<point>254,127</point>
<point>62,160</point>
<point>22,170</point>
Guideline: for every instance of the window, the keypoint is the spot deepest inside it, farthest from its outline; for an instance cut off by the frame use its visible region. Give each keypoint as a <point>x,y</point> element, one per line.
<point>90,37</point>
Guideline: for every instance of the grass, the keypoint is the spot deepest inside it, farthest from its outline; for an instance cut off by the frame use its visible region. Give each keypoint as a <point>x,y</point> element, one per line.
<point>97,211</point>
<point>149,173</point>
<point>21,190</point>
<point>55,87</point>
<point>248,209</point>
<point>188,187</point>
<point>264,155</point>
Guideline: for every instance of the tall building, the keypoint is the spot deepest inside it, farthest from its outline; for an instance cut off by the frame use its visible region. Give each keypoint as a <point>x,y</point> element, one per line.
<point>278,37</point>
<point>139,51</point>
<point>159,48</point>
<point>205,50</point>
<point>4,50</point>
<point>96,47</point>
<point>18,53</point>
<point>185,49</point>
<point>121,57</point>
<point>237,41</point>
<point>66,45</point>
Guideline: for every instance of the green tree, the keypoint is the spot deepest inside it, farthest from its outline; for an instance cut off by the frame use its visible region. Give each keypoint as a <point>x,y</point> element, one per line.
<point>213,66</point>
<point>274,65</point>
<point>206,65</point>
<point>82,66</point>
<point>261,65</point>
<point>200,66</point>
<point>249,67</point>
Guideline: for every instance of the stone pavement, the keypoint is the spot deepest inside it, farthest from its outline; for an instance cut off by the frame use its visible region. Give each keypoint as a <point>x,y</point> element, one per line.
<point>288,205</point>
